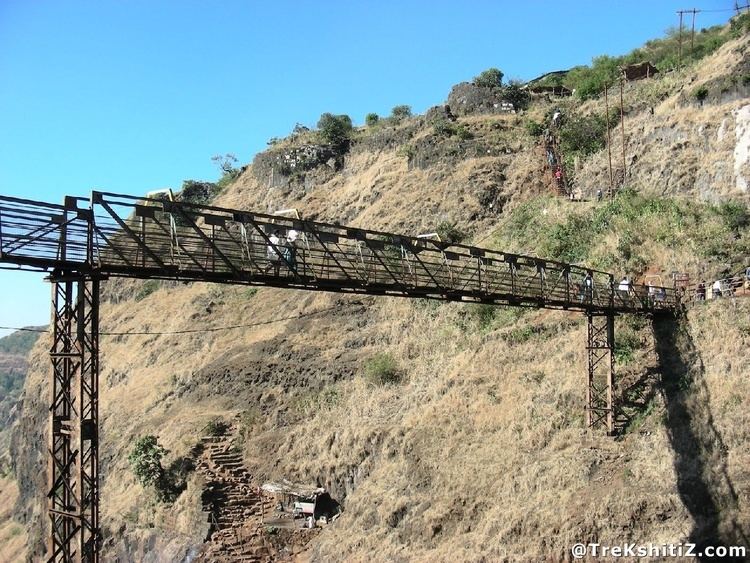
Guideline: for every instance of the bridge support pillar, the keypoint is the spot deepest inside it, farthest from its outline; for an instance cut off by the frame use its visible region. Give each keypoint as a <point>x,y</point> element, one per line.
<point>600,348</point>
<point>73,472</point>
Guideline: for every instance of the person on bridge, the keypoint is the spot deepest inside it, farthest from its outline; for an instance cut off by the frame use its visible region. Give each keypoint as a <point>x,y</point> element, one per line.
<point>274,257</point>
<point>624,287</point>
<point>587,287</point>
<point>716,289</point>
<point>700,292</point>
<point>290,250</point>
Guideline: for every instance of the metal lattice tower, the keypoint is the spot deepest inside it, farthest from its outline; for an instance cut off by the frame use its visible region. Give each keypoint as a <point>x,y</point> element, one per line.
<point>600,348</point>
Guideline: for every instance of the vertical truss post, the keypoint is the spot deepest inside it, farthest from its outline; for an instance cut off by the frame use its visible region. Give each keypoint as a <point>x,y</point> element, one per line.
<point>73,496</point>
<point>600,412</point>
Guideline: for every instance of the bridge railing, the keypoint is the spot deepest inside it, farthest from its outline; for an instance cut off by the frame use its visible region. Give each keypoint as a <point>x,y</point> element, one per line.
<point>133,236</point>
<point>737,285</point>
<point>41,234</point>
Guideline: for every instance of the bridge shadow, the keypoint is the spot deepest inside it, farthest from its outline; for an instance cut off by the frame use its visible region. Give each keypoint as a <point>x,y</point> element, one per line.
<point>637,401</point>
<point>700,454</point>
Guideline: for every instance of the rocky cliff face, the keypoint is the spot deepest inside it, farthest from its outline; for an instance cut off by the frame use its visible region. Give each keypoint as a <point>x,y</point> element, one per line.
<point>479,451</point>
<point>14,364</point>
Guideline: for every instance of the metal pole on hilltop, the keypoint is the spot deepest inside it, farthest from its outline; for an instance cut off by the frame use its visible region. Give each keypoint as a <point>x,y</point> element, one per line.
<point>679,42</point>
<point>609,140</point>
<point>622,125</point>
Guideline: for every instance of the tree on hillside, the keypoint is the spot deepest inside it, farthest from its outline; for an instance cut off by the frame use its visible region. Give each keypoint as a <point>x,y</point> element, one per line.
<point>145,461</point>
<point>514,94</point>
<point>401,112</point>
<point>583,135</point>
<point>490,78</point>
<point>371,119</point>
<point>225,163</point>
<point>336,130</point>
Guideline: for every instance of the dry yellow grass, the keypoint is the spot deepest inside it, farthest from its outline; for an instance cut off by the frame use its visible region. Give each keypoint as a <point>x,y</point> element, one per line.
<point>12,534</point>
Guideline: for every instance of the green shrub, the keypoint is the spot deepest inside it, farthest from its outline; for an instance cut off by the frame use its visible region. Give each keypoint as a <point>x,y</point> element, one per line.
<point>227,179</point>
<point>626,343</point>
<point>740,25</point>
<point>216,427</point>
<point>583,135</point>
<point>145,461</point>
<point>382,369</point>
<point>443,127</point>
<point>399,113</point>
<point>449,232</point>
<point>534,128</point>
<point>336,130</point>
<point>519,335</point>
<point>589,82</point>
<point>484,313</point>
<point>700,94</point>
<point>514,94</point>
<point>314,402</point>
<point>490,78</point>
<point>407,151</point>
<point>147,288</point>
<point>371,119</point>
<point>463,133</point>
<point>735,215</point>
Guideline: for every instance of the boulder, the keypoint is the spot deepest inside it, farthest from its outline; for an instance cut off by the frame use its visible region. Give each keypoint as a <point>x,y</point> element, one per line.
<point>468,99</point>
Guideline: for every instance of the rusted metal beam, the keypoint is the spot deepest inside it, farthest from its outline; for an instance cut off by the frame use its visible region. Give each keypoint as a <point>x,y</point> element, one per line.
<point>600,348</point>
<point>73,473</point>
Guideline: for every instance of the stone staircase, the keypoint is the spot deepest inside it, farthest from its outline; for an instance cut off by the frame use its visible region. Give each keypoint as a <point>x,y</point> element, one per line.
<point>233,506</point>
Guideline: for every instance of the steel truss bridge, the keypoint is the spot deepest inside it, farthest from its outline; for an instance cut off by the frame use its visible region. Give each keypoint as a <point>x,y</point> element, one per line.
<point>86,240</point>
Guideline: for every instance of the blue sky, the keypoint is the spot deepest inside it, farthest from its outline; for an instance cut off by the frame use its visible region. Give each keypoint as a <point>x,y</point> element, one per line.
<point>131,96</point>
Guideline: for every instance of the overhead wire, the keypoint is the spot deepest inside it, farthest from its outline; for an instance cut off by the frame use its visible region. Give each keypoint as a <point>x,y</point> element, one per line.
<point>188,331</point>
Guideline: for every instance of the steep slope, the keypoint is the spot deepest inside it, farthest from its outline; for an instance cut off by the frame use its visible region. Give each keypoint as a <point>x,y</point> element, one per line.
<point>479,450</point>
<point>14,352</point>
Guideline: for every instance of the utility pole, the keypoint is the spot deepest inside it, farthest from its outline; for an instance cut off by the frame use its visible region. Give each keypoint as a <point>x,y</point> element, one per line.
<point>679,42</point>
<point>622,125</point>
<point>692,32</point>
<point>609,140</point>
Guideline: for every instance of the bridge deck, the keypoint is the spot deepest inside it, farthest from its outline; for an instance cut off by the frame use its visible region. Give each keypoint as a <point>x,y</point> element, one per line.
<point>119,235</point>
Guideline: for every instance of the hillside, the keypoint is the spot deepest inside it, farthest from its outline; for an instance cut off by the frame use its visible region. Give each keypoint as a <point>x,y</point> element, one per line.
<point>14,352</point>
<point>448,432</point>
